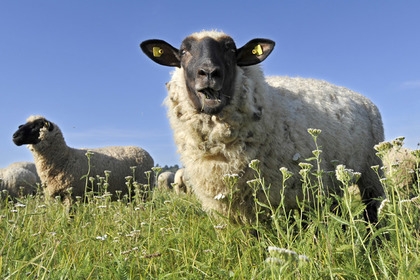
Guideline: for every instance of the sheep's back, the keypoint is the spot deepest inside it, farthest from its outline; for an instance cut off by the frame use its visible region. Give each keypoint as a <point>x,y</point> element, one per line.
<point>18,180</point>
<point>118,160</point>
<point>351,124</point>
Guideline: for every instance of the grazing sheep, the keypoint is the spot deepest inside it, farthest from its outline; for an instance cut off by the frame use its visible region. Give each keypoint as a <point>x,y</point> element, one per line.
<point>165,180</point>
<point>19,178</point>
<point>61,167</point>
<point>225,113</point>
<point>180,182</point>
<point>401,168</point>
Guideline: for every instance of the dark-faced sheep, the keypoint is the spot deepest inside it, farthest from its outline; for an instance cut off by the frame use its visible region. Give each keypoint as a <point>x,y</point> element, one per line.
<point>61,167</point>
<point>225,113</point>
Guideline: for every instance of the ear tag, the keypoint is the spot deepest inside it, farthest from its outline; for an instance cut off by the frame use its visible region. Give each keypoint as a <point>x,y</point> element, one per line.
<point>257,50</point>
<point>157,52</point>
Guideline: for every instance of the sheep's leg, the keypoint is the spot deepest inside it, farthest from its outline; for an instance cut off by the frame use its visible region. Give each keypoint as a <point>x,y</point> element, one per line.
<point>372,195</point>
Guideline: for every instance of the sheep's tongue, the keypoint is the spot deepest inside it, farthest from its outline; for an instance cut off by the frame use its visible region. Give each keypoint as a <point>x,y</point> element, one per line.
<point>210,97</point>
<point>210,94</point>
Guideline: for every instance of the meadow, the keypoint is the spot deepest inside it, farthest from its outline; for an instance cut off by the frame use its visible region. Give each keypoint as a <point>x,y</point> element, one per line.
<point>161,235</point>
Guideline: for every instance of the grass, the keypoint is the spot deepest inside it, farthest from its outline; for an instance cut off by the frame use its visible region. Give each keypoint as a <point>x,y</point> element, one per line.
<point>169,237</point>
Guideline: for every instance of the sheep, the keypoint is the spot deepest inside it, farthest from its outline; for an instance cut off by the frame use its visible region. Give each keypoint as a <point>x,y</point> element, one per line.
<point>19,178</point>
<point>181,182</point>
<point>224,113</point>
<point>401,166</point>
<point>61,167</point>
<point>165,180</point>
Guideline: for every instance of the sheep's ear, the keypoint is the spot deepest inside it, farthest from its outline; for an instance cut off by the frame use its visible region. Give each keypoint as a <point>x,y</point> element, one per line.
<point>254,52</point>
<point>161,52</point>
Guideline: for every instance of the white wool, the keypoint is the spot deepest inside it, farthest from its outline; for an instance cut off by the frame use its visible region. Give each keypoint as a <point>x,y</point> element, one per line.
<point>267,119</point>
<point>165,180</point>
<point>61,167</point>
<point>19,178</point>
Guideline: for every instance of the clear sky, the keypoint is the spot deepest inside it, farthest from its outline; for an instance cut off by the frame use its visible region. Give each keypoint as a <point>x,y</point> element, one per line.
<point>79,64</point>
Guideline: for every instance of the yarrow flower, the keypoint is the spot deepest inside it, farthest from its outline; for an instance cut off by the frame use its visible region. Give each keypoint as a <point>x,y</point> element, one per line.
<point>276,255</point>
<point>286,173</point>
<point>399,141</point>
<point>219,196</point>
<point>222,226</point>
<point>381,207</point>
<point>383,146</point>
<point>230,179</point>
<point>314,131</point>
<point>20,205</point>
<point>346,175</point>
<point>156,169</point>
<point>254,164</point>
<point>254,183</point>
<point>102,238</point>
<point>305,165</point>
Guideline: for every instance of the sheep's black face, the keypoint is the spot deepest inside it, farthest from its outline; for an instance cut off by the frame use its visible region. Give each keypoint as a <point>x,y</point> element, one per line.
<point>209,68</point>
<point>29,133</point>
<point>209,65</point>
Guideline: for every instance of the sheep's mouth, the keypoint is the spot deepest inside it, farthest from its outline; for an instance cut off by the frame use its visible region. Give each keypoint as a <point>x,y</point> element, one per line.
<point>210,98</point>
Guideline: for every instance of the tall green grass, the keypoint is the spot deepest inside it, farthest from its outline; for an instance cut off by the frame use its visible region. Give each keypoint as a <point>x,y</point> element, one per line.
<point>169,237</point>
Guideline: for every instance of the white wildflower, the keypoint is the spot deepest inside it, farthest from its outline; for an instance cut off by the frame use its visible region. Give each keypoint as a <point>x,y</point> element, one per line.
<point>383,203</point>
<point>20,205</point>
<point>223,226</point>
<point>280,251</point>
<point>102,238</point>
<point>277,253</point>
<point>219,196</point>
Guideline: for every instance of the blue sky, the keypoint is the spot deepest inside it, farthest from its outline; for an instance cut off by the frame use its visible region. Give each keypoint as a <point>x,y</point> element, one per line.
<point>79,64</point>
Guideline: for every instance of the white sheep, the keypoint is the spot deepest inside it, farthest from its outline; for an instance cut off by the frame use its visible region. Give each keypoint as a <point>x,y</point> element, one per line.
<point>61,167</point>
<point>225,113</point>
<point>19,178</point>
<point>401,167</point>
<point>165,180</point>
<point>181,182</point>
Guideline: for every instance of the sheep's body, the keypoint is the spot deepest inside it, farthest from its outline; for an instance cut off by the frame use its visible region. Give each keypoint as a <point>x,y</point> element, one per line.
<point>401,169</point>
<point>19,178</point>
<point>180,182</point>
<point>165,180</point>
<point>61,167</point>
<point>267,119</point>
<point>350,124</point>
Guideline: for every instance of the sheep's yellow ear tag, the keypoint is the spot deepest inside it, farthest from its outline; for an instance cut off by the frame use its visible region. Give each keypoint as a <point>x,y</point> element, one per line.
<point>257,50</point>
<point>157,52</point>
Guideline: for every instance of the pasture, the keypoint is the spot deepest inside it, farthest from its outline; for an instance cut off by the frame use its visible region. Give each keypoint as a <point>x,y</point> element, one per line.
<point>168,236</point>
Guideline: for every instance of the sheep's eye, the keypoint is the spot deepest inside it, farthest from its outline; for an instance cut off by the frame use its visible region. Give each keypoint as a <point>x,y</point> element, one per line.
<point>230,46</point>
<point>183,52</point>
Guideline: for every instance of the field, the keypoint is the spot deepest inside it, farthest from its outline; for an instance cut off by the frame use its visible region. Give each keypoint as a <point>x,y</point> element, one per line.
<point>168,236</point>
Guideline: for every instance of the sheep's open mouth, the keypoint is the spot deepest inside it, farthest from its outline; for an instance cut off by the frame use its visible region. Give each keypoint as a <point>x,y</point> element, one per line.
<point>210,97</point>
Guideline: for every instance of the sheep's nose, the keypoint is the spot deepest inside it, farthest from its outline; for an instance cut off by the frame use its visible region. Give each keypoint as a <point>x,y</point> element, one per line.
<point>209,72</point>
